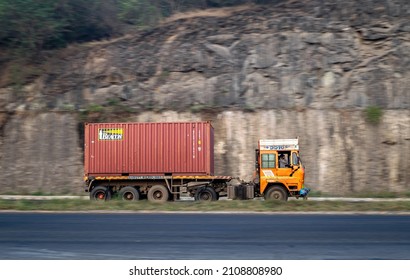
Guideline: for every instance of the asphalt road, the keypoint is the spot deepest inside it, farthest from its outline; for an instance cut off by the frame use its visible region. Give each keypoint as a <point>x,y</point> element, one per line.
<point>82,236</point>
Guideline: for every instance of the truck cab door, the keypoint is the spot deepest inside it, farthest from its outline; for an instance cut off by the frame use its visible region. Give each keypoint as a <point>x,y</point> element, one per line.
<point>290,174</point>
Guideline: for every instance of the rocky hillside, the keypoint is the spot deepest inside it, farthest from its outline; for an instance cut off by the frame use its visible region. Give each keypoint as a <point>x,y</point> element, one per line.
<point>335,75</point>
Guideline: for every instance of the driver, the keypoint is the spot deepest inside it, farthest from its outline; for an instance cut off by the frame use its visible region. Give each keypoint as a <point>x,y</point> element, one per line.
<point>282,161</point>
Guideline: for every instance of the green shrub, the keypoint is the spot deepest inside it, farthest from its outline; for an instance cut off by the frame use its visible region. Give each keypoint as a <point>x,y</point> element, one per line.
<point>95,108</point>
<point>373,114</point>
<point>141,13</point>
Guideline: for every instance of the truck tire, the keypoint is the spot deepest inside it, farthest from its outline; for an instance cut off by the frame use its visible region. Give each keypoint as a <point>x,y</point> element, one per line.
<point>100,193</point>
<point>206,194</point>
<point>129,194</point>
<point>276,193</point>
<point>158,193</point>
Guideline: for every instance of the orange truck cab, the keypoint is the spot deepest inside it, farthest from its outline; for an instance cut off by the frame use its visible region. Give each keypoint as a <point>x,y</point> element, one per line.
<point>279,170</point>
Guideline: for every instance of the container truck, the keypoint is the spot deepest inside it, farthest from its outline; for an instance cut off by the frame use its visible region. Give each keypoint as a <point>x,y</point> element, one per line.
<point>165,161</point>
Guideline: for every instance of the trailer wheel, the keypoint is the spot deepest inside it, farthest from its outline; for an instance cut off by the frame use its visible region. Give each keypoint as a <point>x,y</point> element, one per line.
<point>276,193</point>
<point>100,193</point>
<point>158,193</point>
<point>206,194</point>
<point>129,194</point>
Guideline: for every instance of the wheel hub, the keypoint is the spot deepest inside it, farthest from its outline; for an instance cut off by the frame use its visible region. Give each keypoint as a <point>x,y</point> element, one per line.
<point>158,195</point>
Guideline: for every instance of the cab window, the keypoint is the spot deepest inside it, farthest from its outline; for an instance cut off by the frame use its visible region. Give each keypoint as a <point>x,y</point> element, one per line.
<point>295,159</point>
<point>268,160</point>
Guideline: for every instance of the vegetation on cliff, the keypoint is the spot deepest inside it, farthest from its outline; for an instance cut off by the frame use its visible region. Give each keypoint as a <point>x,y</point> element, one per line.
<point>31,28</point>
<point>32,25</point>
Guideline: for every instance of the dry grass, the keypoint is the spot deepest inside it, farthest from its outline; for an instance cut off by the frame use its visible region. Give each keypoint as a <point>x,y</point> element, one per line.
<point>219,12</point>
<point>235,206</point>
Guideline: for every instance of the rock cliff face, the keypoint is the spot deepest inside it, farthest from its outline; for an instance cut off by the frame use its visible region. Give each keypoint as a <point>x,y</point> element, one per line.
<point>335,75</point>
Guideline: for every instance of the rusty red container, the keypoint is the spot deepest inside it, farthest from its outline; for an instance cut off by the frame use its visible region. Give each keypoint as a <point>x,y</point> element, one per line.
<point>126,149</point>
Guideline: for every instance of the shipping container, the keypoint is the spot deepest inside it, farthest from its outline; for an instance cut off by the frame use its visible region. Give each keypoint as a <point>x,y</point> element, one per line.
<point>144,149</point>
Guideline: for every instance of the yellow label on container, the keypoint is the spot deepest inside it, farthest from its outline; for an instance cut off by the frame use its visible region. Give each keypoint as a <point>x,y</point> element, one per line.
<point>110,134</point>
